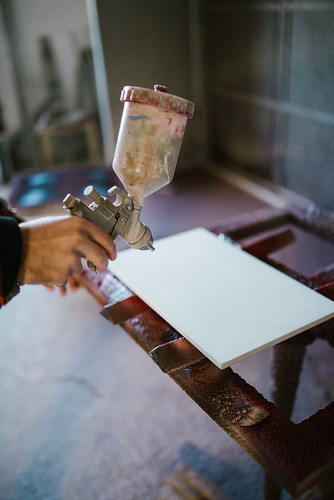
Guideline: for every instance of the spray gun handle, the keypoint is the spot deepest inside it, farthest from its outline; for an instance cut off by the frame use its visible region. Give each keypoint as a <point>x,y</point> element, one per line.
<point>100,212</point>
<point>116,218</point>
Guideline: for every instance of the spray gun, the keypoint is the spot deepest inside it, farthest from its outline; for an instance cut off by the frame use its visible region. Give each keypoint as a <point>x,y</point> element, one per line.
<point>147,149</point>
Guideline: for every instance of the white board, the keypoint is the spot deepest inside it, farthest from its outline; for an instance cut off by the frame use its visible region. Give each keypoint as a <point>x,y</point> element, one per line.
<point>224,301</point>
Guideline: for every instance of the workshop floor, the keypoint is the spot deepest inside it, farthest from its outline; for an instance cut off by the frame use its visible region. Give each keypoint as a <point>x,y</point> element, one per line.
<point>85,414</point>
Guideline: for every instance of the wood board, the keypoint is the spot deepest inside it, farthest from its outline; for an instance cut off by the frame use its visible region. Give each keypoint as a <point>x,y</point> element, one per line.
<point>226,302</point>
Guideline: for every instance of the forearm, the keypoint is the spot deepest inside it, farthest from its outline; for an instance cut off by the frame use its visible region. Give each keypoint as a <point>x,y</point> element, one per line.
<point>10,258</point>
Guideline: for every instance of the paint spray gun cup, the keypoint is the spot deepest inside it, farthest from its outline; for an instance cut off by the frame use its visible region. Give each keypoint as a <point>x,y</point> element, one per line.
<point>146,153</point>
<point>149,139</point>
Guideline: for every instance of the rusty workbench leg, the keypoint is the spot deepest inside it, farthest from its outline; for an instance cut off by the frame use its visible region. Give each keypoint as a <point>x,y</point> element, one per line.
<point>286,370</point>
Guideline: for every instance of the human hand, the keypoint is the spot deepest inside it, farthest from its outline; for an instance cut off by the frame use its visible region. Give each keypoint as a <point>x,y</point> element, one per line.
<point>52,248</point>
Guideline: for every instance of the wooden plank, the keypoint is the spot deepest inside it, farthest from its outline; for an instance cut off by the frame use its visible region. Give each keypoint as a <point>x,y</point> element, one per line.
<point>121,311</point>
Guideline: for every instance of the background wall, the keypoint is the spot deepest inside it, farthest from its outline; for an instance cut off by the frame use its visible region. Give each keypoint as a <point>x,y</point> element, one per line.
<point>47,85</point>
<point>260,73</point>
<point>143,44</point>
<point>9,108</point>
<point>270,82</point>
<point>65,23</point>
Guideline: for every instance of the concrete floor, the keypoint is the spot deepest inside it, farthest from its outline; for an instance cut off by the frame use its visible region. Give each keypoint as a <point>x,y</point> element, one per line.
<point>86,415</point>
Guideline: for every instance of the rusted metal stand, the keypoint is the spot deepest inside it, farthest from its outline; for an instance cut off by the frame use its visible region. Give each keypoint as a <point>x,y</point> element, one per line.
<point>296,457</point>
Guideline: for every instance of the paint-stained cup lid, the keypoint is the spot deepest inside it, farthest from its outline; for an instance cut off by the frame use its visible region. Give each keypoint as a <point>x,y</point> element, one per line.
<point>158,97</point>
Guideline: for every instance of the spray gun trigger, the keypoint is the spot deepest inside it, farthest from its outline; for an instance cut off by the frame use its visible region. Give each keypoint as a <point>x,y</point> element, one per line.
<point>91,266</point>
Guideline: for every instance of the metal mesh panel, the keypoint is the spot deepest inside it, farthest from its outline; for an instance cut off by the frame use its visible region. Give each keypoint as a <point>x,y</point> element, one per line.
<point>309,159</point>
<point>270,91</point>
<point>241,88</point>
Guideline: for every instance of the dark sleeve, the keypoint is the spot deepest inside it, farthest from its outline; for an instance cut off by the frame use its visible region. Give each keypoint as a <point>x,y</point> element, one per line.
<point>10,257</point>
